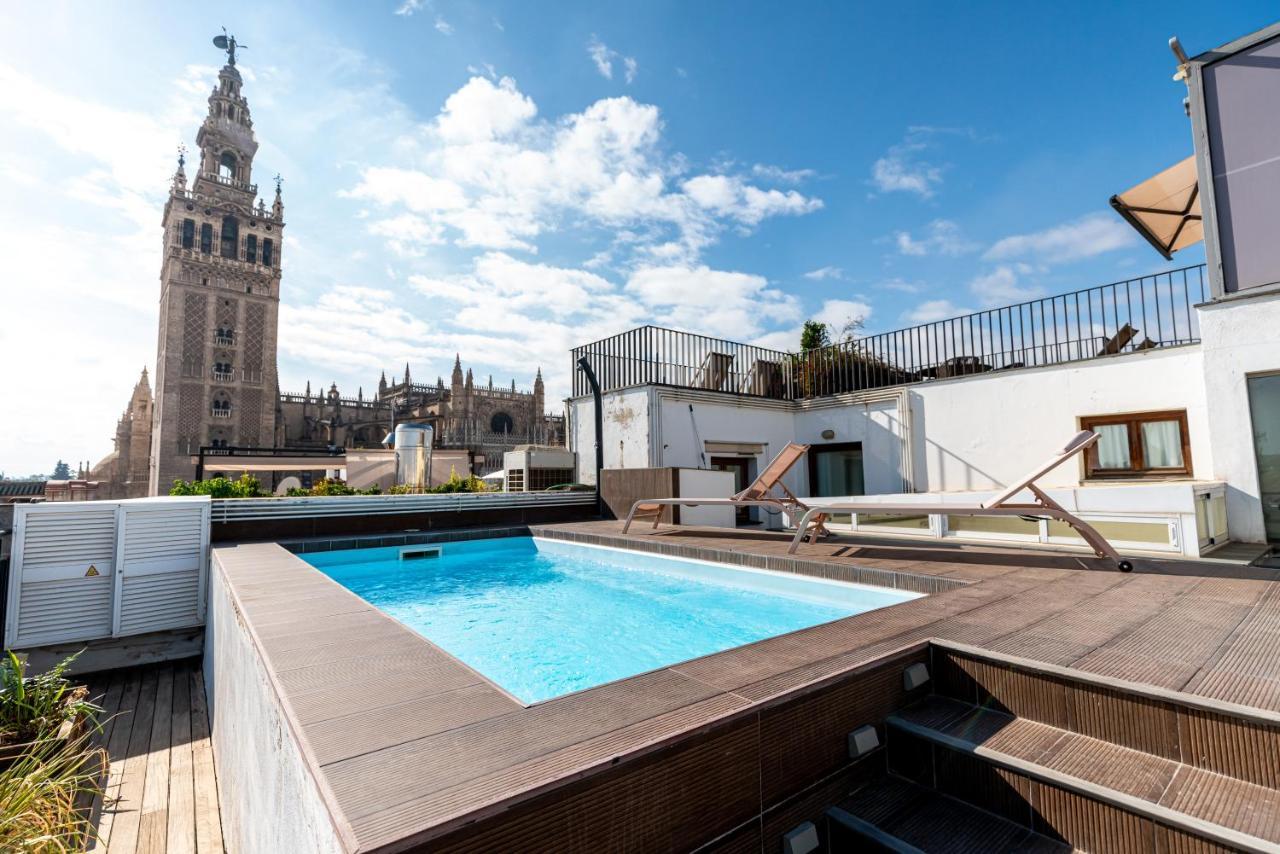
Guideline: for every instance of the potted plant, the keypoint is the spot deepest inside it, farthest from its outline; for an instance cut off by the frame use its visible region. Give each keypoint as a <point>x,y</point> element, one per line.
<point>41,708</point>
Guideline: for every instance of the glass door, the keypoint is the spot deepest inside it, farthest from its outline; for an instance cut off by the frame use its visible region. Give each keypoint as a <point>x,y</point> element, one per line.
<point>835,469</point>
<point>1264,408</point>
<point>740,466</point>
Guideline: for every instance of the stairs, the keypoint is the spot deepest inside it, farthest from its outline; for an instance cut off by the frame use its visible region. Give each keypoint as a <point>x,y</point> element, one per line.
<point>1006,755</point>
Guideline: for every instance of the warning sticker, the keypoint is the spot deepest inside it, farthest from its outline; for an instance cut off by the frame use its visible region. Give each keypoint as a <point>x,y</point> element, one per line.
<point>92,572</point>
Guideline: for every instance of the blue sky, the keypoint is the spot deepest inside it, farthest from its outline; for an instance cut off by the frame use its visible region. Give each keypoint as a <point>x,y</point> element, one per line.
<point>509,179</point>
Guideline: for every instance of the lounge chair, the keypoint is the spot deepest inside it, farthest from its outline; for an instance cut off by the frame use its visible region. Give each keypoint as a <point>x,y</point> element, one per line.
<point>759,494</point>
<point>1045,506</point>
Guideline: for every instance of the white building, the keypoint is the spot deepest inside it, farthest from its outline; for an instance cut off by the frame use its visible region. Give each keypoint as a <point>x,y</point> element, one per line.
<point>1179,371</point>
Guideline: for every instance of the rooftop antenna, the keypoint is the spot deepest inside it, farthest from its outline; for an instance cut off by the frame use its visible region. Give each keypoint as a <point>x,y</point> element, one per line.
<point>229,44</point>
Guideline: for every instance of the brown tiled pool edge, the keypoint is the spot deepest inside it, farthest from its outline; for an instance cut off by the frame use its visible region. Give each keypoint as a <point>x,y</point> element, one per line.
<point>630,758</point>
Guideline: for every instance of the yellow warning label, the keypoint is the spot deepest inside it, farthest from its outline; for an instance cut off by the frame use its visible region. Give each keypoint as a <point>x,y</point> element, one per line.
<point>92,572</point>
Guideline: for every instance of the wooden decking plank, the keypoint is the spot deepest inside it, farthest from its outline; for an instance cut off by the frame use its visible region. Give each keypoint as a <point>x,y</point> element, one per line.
<point>109,701</point>
<point>208,822</point>
<point>126,810</point>
<point>182,822</point>
<point>153,825</point>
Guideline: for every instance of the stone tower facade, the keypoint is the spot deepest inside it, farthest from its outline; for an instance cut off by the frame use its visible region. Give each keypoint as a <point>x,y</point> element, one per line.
<point>219,299</point>
<point>124,473</point>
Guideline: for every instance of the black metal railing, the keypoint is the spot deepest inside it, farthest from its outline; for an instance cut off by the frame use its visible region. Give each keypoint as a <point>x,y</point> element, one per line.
<point>1145,313</point>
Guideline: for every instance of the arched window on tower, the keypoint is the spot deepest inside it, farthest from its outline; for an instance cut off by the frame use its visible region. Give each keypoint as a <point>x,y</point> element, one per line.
<point>227,165</point>
<point>230,236</point>
<point>206,238</point>
<point>188,233</point>
<point>251,249</point>
<point>266,251</point>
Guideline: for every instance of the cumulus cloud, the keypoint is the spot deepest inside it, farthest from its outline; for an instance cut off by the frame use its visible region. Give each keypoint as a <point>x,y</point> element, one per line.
<point>493,175</point>
<point>443,27</point>
<point>409,7</point>
<point>1004,285</point>
<point>941,237</point>
<point>1072,241</point>
<point>934,310</point>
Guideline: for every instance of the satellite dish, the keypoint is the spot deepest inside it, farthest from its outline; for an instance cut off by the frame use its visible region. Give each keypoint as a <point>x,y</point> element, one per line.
<point>220,42</point>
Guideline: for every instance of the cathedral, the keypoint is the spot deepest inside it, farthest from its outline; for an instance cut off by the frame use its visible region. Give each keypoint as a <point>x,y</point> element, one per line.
<point>215,376</point>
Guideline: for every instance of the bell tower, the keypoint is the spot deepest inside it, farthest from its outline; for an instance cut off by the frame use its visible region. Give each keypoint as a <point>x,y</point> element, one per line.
<point>219,294</point>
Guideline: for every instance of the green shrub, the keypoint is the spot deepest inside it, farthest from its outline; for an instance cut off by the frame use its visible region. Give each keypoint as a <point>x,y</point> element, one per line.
<point>332,487</point>
<point>41,792</point>
<point>32,706</point>
<point>470,483</point>
<point>245,486</point>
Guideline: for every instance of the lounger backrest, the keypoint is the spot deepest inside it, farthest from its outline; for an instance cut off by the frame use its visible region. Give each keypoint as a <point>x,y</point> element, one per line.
<point>773,472</point>
<point>1078,443</point>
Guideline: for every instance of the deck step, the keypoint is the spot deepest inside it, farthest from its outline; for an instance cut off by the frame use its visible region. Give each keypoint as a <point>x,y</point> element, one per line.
<point>936,741</point>
<point>894,815</point>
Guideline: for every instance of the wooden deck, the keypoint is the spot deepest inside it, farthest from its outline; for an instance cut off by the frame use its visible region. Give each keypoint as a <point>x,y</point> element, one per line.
<point>413,747</point>
<point>160,792</point>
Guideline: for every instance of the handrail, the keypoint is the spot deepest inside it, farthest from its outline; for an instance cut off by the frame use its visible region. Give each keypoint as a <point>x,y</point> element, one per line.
<point>251,509</point>
<point>1145,313</point>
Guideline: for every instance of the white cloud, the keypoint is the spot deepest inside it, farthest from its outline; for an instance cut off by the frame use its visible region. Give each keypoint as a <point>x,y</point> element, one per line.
<point>1003,285</point>
<point>490,173</point>
<point>779,175</point>
<point>823,273</point>
<point>840,314</point>
<point>942,237</point>
<point>905,168</point>
<point>442,26</point>
<point>713,302</point>
<point>603,56</point>
<point>934,310</point>
<point>1082,238</point>
<point>408,7</point>
<point>901,285</point>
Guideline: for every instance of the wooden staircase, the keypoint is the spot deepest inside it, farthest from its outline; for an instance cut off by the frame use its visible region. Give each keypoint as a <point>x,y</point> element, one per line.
<point>1010,755</point>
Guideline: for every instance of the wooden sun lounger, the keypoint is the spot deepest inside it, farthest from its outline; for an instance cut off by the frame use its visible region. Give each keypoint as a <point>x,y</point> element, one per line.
<point>758,494</point>
<point>998,506</point>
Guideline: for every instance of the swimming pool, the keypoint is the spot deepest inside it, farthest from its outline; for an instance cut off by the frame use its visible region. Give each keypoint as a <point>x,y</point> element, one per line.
<point>542,617</point>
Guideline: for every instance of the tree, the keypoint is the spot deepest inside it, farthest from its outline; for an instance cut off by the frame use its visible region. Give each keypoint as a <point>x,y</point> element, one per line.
<point>814,335</point>
<point>61,471</point>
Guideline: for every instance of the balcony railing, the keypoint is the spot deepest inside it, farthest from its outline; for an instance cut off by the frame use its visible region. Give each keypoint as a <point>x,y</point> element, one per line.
<point>220,413</point>
<point>222,376</point>
<point>1123,317</point>
<point>224,340</point>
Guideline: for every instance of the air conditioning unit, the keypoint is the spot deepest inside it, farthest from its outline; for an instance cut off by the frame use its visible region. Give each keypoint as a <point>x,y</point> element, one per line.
<point>88,570</point>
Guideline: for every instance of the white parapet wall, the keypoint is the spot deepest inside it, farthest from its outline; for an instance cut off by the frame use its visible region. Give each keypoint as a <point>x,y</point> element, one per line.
<point>269,799</point>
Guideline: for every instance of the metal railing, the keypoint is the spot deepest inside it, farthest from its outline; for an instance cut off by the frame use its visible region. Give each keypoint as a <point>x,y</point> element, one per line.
<point>1129,316</point>
<point>246,509</point>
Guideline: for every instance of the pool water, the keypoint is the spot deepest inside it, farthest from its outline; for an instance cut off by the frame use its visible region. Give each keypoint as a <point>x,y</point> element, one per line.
<point>542,618</point>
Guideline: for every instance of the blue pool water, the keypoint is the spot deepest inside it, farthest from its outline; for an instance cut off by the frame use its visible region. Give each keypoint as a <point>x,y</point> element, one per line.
<point>544,618</point>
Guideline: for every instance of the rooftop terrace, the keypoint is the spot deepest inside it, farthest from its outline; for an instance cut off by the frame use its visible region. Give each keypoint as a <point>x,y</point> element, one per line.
<point>1122,317</point>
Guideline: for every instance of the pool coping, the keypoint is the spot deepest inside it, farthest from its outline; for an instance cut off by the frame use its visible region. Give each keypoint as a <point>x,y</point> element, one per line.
<point>252,570</point>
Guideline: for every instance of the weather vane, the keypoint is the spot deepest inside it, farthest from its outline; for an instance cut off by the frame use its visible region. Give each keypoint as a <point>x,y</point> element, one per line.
<point>228,43</point>
<point>182,154</point>
<point>279,181</point>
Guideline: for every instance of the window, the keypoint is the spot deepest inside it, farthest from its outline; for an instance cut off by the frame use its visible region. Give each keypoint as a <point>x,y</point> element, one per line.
<point>188,233</point>
<point>1144,444</point>
<point>230,236</point>
<point>227,165</point>
<point>251,248</point>
<point>501,423</point>
<point>266,251</point>
<point>206,238</point>
<point>835,469</point>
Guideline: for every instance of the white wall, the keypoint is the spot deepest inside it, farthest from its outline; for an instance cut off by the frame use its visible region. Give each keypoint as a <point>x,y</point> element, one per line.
<point>988,430</point>
<point>1239,337</point>
<point>875,425</point>
<point>627,426</point>
<point>268,798</point>
<point>684,433</point>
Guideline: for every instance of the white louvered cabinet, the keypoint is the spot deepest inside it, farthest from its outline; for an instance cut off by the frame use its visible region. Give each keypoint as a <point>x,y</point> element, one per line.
<point>97,569</point>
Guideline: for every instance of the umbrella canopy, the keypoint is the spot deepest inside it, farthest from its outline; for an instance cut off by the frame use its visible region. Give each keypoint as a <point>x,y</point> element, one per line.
<point>1165,208</point>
